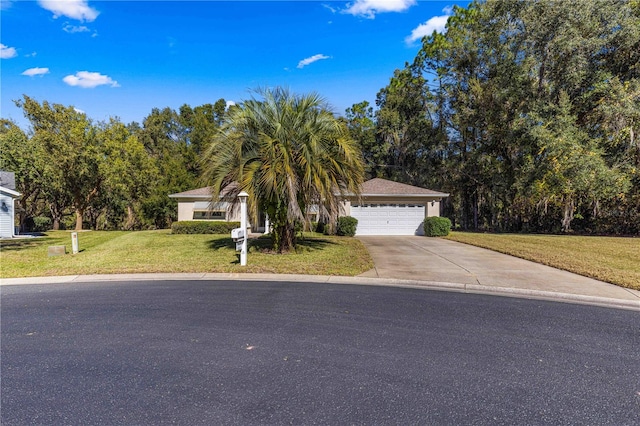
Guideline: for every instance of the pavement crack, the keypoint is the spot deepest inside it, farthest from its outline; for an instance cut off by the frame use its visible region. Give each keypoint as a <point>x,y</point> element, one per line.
<point>448,260</point>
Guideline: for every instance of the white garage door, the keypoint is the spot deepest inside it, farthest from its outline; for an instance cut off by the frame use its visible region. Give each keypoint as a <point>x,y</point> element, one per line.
<point>388,219</point>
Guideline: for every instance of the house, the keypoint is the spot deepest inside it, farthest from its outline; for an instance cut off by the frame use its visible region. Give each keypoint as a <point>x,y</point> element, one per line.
<point>384,207</point>
<point>8,195</point>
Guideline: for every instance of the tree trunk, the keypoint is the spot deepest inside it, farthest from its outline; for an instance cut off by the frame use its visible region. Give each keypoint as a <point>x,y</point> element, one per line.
<point>131,220</point>
<point>79,215</point>
<point>56,217</point>
<point>569,208</point>
<point>22,214</point>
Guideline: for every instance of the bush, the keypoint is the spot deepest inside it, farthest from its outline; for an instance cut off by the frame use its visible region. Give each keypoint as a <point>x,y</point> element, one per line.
<point>437,226</point>
<point>41,224</point>
<point>203,227</point>
<point>346,226</point>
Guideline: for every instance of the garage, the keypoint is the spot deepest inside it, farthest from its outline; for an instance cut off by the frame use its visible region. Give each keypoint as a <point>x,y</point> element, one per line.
<point>388,219</point>
<point>391,208</point>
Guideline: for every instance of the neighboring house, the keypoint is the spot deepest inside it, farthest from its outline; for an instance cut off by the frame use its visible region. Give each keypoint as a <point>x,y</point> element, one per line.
<point>8,195</point>
<point>383,208</point>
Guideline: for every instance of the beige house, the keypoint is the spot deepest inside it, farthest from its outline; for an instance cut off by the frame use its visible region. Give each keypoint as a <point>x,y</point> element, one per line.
<point>383,208</point>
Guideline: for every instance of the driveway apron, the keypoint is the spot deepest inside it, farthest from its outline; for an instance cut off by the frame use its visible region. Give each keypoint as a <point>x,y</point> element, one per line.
<point>440,260</point>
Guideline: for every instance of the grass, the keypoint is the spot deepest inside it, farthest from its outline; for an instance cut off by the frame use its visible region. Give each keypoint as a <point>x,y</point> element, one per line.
<point>612,259</point>
<point>159,251</point>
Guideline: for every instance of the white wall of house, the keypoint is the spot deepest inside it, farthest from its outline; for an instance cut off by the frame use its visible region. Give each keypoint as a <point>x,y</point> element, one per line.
<point>185,210</point>
<point>7,212</point>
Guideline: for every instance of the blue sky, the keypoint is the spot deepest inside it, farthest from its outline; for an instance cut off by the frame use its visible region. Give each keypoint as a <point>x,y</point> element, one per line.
<point>123,58</point>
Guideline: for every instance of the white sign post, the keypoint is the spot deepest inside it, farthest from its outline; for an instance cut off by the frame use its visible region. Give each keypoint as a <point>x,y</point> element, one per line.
<point>243,224</point>
<point>74,242</point>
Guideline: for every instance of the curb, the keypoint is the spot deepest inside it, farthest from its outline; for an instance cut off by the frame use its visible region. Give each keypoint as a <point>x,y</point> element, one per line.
<point>384,282</point>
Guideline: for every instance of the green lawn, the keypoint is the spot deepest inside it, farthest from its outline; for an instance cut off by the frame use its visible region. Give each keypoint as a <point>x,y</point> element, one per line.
<point>160,251</point>
<point>612,259</point>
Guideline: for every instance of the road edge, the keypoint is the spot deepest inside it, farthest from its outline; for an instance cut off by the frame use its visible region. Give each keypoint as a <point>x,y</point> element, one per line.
<point>416,284</point>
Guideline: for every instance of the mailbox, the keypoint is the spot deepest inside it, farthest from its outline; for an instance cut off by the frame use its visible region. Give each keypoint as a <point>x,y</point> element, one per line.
<point>237,234</point>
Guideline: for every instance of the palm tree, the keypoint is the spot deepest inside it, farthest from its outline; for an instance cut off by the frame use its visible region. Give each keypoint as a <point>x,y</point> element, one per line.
<point>288,152</point>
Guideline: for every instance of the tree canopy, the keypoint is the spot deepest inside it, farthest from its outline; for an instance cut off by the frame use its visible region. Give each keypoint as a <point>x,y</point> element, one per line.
<point>105,175</point>
<point>528,115</point>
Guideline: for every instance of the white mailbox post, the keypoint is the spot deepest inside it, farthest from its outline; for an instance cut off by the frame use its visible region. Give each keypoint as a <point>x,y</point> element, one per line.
<point>243,224</point>
<point>237,235</point>
<point>74,242</point>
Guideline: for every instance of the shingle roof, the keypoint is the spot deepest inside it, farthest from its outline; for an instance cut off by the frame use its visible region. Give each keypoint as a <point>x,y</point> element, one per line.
<point>206,191</point>
<point>373,187</point>
<point>203,192</point>
<point>378,186</point>
<point>8,180</point>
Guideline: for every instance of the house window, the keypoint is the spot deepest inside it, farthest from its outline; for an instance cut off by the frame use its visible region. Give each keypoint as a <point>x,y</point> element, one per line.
<point>209,215</point>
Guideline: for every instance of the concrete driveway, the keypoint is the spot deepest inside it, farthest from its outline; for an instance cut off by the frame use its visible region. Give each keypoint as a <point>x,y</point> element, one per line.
<point>444,261</point>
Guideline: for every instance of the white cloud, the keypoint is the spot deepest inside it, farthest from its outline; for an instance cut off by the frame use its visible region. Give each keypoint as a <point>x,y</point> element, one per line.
<point>31,72</point>
<point>89,80</point>
<point>369,8</point>
<point>230,103</point>
<point>74,9</point>
<point>7,52</point>
<point>303,63</point>
<point>330,8</point>
<point>75,29</point>
<point>79,111</point>
<point>436,23</point>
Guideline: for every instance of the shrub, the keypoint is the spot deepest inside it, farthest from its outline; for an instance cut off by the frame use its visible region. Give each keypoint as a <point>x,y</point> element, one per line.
<point>346,226</point>
<point>437,226</point>
<point>41,224</point>
<point>203,227</point>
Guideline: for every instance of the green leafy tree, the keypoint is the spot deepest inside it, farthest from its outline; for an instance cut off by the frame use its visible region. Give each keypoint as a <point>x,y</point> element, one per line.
<point>19,154</point>
<point>360,120</point>
<point>288,152</point>
<point>165,137</point>
<point>128,175</point>
<point>570,169</point>
<point>405,126</point>
<point>71,149</point>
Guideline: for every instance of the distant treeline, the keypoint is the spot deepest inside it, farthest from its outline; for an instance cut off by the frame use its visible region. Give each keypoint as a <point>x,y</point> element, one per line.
<point>527,112</point>
<point>82,174</point>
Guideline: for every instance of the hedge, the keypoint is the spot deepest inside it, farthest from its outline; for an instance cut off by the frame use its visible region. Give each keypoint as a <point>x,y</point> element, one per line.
<point>346,226</point>
<point>203,227</point>
<point>436,226</point>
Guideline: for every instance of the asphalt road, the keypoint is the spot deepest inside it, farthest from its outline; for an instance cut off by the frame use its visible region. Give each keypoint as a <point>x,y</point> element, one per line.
<point>216,352</point>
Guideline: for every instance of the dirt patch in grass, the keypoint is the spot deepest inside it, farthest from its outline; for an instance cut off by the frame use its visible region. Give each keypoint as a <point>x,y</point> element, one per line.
<point>611,259</point>
<point>119,252</point>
